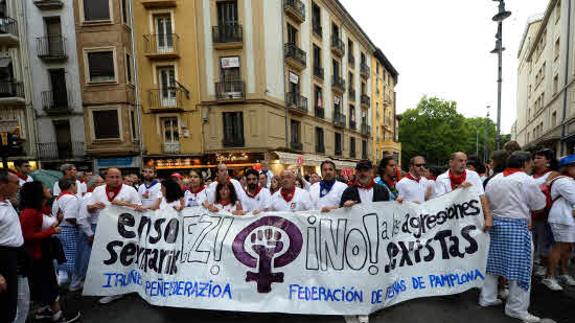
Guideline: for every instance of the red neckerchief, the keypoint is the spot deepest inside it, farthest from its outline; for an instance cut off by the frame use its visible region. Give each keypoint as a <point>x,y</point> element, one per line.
<point>412,178</point>
<point>258,189</point>
<point>540,174</point>
<point>90,190</point>
<point>365,187</point>
<point>390,183</point>
<point>111,193</point>
<point>456,180</point>
<point>64,193</point>
<point>510,171</point>
<point>196,190</point>
<point>225,202</point>
<point>288,195</point>
<point>22,176</point>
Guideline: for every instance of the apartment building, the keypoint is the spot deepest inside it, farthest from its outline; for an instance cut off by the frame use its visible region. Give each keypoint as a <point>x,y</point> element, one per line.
<point>545,89</point>
<point>17,135</point>
<point>107,82</point>
<point>56,96</point>
<point>384,80</point>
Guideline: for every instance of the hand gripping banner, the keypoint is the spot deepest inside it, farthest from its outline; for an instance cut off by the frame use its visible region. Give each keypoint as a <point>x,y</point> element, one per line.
<point>345,262</point>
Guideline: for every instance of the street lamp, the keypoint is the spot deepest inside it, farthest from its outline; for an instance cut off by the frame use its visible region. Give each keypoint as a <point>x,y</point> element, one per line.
<point>499,17</point>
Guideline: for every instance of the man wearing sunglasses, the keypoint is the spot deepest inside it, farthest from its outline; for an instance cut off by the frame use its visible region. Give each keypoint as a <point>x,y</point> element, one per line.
<point>414,187</point>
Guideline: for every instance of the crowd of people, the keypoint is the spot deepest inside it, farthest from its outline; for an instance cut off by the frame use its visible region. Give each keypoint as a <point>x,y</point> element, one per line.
<point>46,233</point>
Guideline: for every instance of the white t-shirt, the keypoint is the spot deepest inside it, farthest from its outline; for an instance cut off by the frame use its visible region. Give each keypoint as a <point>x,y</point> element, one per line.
<point>541,179</point>
<point>443,183</point>
<point>172,205</point>
<point>195,199</point>
<point>240,193</point>
<point>301,201</point>
<point>27,180</point>
<point>365,195</point>
<point>86,218</point>
<point>69,205</point>
<point>230,208</point>
<point>127,194</point>
<point>331,199</point>
<point>149,195</point>
<point>413,191</point>
<point>56,189</point>
<point>259,202</point>
<point>10,229</point>
<point>562,210</point>
<point>514,196</point>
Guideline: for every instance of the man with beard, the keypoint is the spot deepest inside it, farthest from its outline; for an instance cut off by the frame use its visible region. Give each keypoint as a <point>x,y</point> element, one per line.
<point>150,191</point>
<point>326,194</point>
<point>289,197</point>
<point>258,198</point>
<point>414,187</point>
<point>113,193</point>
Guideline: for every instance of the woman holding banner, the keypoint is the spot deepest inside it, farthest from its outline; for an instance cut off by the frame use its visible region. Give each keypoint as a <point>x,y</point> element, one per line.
<point>226,200</point>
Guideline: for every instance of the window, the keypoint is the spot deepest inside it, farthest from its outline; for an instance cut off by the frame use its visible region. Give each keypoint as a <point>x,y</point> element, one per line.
<point>101,66</point>
<point>291,34</point>
<point>557,48</point>
<point>553,118</point>
<point>316,17</point>
<point>352,117</point>
<point>337,143</point>
<point>335,66</point>
<point>364,149</point>
<point>126,12</point>
<point>350,79</point>
<point>350,56</point>
<point>230,69</point>
<point>352,147</point>
<point>293,83</point>
<point>164,35</point>
<point>233,129</point>
<point>133,126</point>
<point>59,92</point>
<point>167,82</point>
<point>319,145</point>
<point>316,57</point>
<point>129,68</point>
<point>170,130</point>
<point>556,84</point>
<point>295,131</point>
<point>334,31</point>
<point>227,13</point>
<point>363,59</point>
<point>96,10</point>
<point>106,124</point>
<point>557,11</point>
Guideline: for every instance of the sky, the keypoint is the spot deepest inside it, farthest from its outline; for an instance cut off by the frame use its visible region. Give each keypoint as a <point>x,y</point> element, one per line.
<point>441,48</point>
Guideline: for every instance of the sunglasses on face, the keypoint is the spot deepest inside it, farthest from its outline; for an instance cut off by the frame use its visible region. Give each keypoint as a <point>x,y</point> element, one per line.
<point>420,165</point>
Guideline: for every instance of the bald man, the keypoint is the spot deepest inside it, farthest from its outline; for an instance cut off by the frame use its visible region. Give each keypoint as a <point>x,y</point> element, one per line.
<point>290,198</point>
<point>115,192</point>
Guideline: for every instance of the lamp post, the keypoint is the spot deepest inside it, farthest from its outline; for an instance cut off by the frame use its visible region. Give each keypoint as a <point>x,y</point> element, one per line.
<point>499,17</point>
<point>486,137</point>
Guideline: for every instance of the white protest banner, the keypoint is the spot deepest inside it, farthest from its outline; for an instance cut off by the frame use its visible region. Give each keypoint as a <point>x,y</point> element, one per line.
<point>348,261</point>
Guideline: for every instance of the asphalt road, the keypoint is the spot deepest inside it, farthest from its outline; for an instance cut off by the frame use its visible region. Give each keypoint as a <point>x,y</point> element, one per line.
<point>554,306</point>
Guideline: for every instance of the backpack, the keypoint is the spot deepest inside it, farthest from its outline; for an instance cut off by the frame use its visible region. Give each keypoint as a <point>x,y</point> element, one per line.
<point>546,190</point>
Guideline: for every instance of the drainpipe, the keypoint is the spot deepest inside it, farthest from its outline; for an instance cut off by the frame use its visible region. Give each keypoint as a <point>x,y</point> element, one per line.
<point>138,105</point>
<point>286,85</point>
<point>566,79</point>
<point>30,112</point>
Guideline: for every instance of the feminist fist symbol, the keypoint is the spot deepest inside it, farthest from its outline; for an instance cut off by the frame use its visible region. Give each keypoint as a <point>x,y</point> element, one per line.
<point>266,243</point>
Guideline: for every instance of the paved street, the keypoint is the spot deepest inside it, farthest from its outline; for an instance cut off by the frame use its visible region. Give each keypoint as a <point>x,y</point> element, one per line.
<point>557,306</point>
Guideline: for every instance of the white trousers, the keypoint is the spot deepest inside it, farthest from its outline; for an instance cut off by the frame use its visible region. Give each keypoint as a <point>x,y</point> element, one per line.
<point>517,302</point>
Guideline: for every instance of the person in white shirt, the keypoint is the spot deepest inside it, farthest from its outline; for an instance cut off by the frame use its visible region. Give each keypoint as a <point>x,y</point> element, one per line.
<point>562,223</point>
<point>11,240</point>
<point>512,195</point>
<point>326,194</point>
<point>269,175</point>
<point>113,193</point>
<point>414,187</point>
<point>172,195</point>
<point>150,190</point>
<point>23,171</point>
<point>196,194</point>
<point>263,180</point>
<point>290,198</point>
<point>226,200</point>
<point>67,204</point>
<point>70,172</point>
<point>258,198</point>
<point>223,176</point>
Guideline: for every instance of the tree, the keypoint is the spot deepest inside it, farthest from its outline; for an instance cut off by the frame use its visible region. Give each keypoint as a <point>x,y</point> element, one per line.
<point>434,129</point>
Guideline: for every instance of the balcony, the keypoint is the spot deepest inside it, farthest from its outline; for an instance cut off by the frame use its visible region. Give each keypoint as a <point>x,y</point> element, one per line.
<point>56,102</point>
<point>364,70</point>
<point>298,146</point>
<point>350,60</point>
<point>337,46</point>
<point>365,100</point>
<point>351,93</point>
<point>161,46</point>
<point>166,99</point>
<point>233,142</point>
<point>295,9</point>
<point>49,4</point>
<point>61,151</point>
<point>51,48</point>
<point>296,102</point>
<point>171,147</point>
<point>153,4</point>
<point>230,90</point>
<point>317,30</point>
<point>8,31</point>
<point>227,36</point>
<point>338,119</point>
<point>294,56</point>
<point>352,124</point>
<point>11,92</point>
<point>320,149</point>
<point>319,112</point>
<point>365,130</point>
<point>338,83</point>
<point>318,72</point>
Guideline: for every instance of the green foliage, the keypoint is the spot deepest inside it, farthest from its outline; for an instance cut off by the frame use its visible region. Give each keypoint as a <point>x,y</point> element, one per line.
<point>435,129</point>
